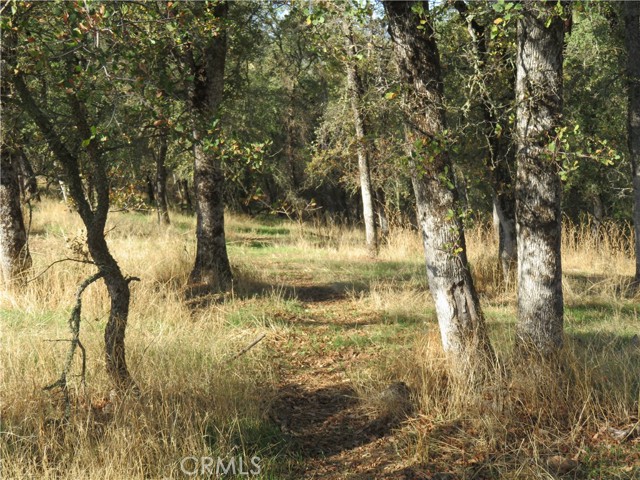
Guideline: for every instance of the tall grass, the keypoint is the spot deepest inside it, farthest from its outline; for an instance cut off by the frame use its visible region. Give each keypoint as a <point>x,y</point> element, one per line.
<point>196,401</point>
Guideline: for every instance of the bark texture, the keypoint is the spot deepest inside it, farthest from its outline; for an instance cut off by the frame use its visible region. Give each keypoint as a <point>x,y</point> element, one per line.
<point>632,38</point>
<point>14,250</point>
<point>538,188</point>
<point>354,84</point>
<point>461,322</point>
<point>212,263</point>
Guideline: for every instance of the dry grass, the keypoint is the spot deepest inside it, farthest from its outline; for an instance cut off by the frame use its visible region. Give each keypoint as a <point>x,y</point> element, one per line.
<point>195,402</point>
<point>193,399</point>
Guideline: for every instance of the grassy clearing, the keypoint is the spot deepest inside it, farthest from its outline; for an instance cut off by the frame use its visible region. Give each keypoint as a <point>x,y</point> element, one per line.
<point>316,295</point>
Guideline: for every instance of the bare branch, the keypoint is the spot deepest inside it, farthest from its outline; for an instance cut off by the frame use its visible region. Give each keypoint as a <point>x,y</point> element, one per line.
<point>74,325</point>
<point>60,261</point>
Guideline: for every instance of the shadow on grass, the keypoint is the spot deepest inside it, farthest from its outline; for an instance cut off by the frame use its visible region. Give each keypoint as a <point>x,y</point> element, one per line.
<point>600,343</point>
<point>590,312</point>
<point>621,285</point>
<point>325,421</point>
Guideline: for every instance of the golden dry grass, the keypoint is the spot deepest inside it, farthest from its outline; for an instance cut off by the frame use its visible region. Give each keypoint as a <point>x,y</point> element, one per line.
<point>196,402</point>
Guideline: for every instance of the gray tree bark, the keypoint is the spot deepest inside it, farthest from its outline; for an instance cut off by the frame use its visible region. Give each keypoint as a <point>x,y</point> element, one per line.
<point>632,40</point>
<point>212,266</point>
<point>538,188</point>
<point>462,326</point>
<point>354,84</point>
<point>14,251</point>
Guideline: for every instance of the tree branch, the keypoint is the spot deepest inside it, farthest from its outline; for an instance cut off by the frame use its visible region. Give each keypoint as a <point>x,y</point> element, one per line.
<point>74,326</point>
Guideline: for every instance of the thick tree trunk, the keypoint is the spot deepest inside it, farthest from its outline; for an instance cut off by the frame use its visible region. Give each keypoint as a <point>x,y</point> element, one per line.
<point>161,183</point>
<point>212,263</point>
<point>538,188</point>
<point>462,325</point>
<point>632,36</point>
<point>354,84</point>
<point>14,251</point>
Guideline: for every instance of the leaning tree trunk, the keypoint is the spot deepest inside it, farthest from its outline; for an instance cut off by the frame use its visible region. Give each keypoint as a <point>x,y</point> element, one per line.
<point>462,325</point>
<point>94,221</point>
<point>120,295</point>
<point>354,84</point>
<point>14,251</point>
<point>161,182</point>
<point>211,267</point>
<point>538,188</point>
<point>632,36</point>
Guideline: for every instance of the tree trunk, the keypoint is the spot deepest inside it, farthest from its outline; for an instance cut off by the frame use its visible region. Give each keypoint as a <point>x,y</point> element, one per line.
<point>119,294</point>
<point>151,196</point>
<point>462,325</point>
<point>212,263</point>
<point>632,37</point>
<point>183,186</point>
<point>63,190</point>
<point>161,183</point>
<point>29,182</point>
<point>538,188</point>
<point>505,205</point>
<point>94,221</point>
<point>354,84</point>
<point>14,250</point>
<point>498,158</point>
<point>381,209</point>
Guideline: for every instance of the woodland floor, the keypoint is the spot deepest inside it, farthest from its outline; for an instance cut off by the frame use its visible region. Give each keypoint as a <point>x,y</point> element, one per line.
<point>347,381</point>
<point>329,426</point>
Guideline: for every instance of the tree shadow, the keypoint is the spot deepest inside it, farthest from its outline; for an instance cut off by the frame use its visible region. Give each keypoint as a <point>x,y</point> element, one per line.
<point>621,285</point>
<point>308,293</point>
<point>325,421</point>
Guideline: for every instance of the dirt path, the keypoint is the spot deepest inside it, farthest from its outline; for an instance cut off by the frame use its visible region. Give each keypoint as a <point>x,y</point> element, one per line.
<point>330,428</point>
